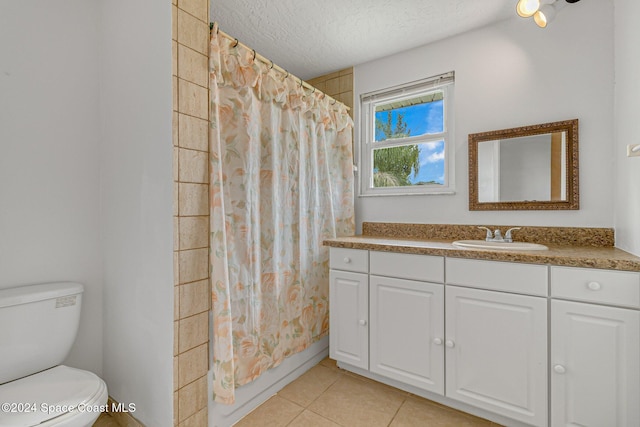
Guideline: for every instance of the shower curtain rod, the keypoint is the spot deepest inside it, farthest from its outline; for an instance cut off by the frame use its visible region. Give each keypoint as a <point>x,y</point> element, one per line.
<point>272,65</point>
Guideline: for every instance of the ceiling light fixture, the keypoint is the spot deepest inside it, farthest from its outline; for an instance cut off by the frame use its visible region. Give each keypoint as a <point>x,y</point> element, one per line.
<point>543,11</point>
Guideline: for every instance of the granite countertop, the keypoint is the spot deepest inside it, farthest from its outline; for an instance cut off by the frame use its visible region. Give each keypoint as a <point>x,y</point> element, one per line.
<point>590,256</point>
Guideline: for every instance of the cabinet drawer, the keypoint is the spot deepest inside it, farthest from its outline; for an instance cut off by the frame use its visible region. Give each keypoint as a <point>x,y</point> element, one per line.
<point>349,259</point>
<point>407,266</point>
<point>527,279</point>
<point>599,286</point>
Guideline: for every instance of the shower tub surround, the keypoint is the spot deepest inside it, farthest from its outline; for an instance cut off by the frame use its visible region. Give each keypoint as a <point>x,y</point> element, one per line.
<point>522,338</point>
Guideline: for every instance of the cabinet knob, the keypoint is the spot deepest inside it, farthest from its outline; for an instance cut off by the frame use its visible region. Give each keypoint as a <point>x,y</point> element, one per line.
<point>347,260</point>
<point>437,341</point>
<point>450,343</point>
<point>594,286</point>
<point>363,322</point>
<point>559,369</point>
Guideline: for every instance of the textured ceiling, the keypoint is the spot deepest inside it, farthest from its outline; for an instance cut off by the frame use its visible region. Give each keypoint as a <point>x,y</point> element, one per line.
<point>311,38</point>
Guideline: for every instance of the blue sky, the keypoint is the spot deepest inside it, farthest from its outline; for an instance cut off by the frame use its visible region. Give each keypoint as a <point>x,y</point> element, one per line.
<point>423,119</point>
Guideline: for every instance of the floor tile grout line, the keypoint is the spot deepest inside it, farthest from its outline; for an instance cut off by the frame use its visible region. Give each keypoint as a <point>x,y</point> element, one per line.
<point>397,411</point>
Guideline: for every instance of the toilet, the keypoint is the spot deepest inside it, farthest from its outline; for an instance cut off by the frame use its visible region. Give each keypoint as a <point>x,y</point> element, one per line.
<point>39,324</point>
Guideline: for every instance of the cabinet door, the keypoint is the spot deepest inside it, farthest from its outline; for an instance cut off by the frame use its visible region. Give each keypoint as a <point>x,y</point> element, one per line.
<point>407,331</point>
<point>595,365</point>
<point>348,318</point>
<point>496,352</point>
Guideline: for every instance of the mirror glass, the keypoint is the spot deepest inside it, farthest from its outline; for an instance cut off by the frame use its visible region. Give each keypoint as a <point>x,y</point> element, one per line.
<point>531,167</point>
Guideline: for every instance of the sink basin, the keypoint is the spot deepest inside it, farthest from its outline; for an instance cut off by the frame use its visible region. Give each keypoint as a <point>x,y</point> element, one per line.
<point>513,246</point>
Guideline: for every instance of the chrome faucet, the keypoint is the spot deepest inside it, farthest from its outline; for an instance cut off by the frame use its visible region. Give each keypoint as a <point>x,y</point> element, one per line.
<point>496,236</point>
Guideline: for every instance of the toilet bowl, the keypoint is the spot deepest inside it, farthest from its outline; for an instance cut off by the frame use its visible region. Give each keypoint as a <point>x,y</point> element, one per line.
<point>35,389</point>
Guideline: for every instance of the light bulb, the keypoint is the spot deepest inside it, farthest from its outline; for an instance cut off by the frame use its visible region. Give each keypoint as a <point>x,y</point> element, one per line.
<point>527,8</point>
<point>544,15</point>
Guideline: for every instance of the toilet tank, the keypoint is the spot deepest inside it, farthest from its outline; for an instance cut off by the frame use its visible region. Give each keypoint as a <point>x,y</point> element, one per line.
<point>38,325</point>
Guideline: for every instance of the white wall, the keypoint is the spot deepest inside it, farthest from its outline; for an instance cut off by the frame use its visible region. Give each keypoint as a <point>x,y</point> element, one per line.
<point>627,125</point>
<point>507,75</point>
<point>49,180</point>
<point>137,205</point>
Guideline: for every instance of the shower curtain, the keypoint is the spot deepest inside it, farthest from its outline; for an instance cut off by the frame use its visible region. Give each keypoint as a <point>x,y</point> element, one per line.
<point>281,182</point>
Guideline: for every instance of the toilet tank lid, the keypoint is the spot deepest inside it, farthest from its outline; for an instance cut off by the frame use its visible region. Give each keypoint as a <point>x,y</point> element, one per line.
<point>32,293</point>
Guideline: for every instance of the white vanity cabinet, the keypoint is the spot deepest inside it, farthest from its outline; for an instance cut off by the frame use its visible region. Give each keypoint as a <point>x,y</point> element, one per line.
<point>522,344</point>
<point>496,341</point>
<point>349,306</point>
<point>406,319</point>
<point>595,348</point>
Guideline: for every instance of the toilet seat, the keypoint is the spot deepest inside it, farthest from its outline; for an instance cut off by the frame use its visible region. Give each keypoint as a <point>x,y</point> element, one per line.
<point>58,396</point>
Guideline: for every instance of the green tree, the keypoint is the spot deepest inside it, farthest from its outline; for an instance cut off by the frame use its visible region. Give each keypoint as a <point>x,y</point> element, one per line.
<point>392,166</point>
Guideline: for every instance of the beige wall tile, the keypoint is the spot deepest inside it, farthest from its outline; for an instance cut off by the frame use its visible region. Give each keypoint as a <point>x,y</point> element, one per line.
<point>194,265</point>
<point>175,163</point>
<point>176,370</point>
<point>174,56</point>
<point>175,93</point>
<point>193,332</point>
<point>347,99</point>
<point>176,234</point>
<point>194,232</point>
<point>175,128</point>
<point>314,82</point>
<point>193,166</point>
<point>346,71</point>
<point>346,83</point>
<point>193,33</point>
<point>176,268</point>
<point>194,298</point>
<point>174,23</point>
<point>193,365</point>
<point>193,99</point>
<point>193,133</point>
<point>331,75</point>
<point>197,420</point>
<point>321,85</point>
<point>192,398</point>
<point>176,303</point>
<point>193,199</point>
<point>194,66</point>
<point>174,2</point>
<point>176,406</point>
<point>197,8</point>
<point>333,86</point>
<point>175,198</point>
<point>176,336</point>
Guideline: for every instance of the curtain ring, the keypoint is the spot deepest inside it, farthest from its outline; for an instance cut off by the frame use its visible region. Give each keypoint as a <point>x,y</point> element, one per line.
<point>235,44</point>
<point>334,101</point>
<point>254,56</point>
<point>286,75</point>
<point>301,87</point>
<point>271,68</point>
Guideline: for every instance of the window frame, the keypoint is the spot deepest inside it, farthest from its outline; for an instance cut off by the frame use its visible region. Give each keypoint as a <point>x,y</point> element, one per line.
<point>368,104</point>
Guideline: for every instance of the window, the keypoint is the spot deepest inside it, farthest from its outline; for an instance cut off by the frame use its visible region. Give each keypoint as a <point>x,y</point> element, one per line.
<point>406,144</point>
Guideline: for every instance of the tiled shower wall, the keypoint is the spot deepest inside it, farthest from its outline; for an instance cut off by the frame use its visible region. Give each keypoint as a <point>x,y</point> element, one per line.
<point>191,211</point>
<point>338,85</point>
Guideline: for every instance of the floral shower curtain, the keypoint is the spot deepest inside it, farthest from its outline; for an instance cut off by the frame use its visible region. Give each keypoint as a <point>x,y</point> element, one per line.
<point>281,183</point>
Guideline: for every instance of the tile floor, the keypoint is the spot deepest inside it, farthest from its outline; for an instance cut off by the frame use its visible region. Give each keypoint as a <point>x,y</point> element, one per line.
<point>327,396</point>
<point>105,421</point>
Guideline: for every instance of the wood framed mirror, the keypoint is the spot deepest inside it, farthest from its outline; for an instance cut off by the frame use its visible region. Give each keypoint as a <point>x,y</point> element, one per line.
<point>526,168</point>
